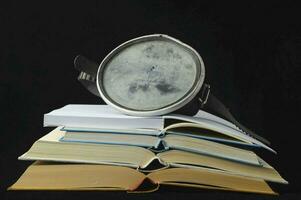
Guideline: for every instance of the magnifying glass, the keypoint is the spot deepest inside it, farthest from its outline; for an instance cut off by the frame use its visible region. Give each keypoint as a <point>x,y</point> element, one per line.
<point>152,75</point>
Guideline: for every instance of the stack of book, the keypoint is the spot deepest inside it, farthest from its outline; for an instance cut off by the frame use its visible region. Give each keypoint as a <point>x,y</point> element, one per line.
<point>94,147</point>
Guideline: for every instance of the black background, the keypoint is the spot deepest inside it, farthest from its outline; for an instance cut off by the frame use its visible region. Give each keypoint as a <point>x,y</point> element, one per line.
<point>251,53</point>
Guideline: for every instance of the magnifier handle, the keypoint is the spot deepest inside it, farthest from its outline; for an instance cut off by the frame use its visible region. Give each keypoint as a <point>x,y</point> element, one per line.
<point>88,70</point>
<point>215,106</point>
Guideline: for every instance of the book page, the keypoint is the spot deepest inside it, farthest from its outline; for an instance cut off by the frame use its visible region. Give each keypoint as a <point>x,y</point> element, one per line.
<point>112,138</point>
<point>209,116</point>
<point>177,158</point>
<point>50,149</point>
<point>98,116</point>
<point>54,136</point>
<point>89,110</point>
<point>197,177</point>
<point>218,127</point>
<point>55,176</point>
<point>211,148</point>
<point>203,115</point>
<point>195,129</point>
<point>142,131</point>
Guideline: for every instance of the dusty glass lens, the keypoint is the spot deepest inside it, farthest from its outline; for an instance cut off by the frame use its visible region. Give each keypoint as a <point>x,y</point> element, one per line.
<point>149,75</point>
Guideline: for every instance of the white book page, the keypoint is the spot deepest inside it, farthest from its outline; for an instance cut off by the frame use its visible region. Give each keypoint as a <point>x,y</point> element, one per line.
<point>88,110</point>
<point>98,116</point>
<point>219,127</point>
<point>208,116</point>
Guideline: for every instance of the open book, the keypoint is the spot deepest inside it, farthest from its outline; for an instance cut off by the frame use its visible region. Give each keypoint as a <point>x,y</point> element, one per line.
<point>151,138</point>
<point>54,176</point>
<point>102,118</point>
<point>244,163</point>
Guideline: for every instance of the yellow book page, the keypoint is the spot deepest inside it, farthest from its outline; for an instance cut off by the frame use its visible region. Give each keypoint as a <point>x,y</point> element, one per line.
<point>199,177</point>
<point>78,177</point>
<point>211,148</point>
<point>186,159</point>
<point>196,129</point>
<point>50,148</point>
<point>234,133</point>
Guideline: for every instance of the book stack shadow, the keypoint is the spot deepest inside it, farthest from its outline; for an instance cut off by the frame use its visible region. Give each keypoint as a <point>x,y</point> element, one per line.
<point>94,147</point>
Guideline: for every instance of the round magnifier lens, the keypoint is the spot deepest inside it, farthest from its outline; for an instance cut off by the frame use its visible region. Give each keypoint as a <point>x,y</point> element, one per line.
<point>150,73</point>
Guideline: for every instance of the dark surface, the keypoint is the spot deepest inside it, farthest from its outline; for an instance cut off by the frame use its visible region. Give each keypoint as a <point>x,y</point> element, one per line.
<point>251,52</point>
